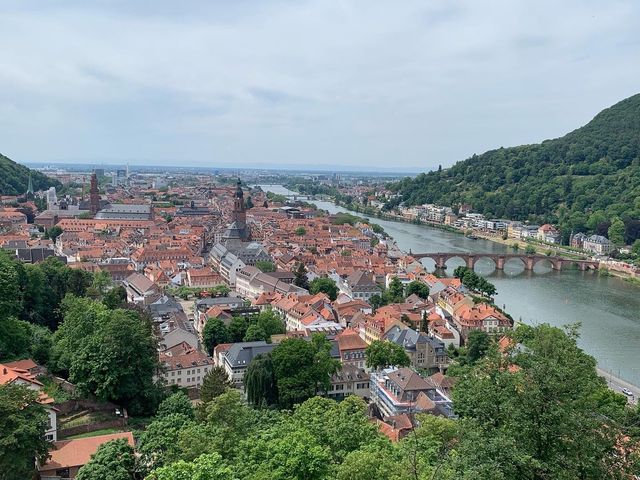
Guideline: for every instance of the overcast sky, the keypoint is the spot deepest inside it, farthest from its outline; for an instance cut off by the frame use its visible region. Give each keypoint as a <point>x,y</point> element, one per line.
<point>387,84</point>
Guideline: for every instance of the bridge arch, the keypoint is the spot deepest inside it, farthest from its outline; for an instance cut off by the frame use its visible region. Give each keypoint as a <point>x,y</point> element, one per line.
<point>550,261</point>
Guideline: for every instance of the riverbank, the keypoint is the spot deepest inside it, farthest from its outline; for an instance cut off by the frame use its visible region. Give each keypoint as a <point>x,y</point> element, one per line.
<point>606,306</point>
<point>617,384</point>
<point>541,248</point>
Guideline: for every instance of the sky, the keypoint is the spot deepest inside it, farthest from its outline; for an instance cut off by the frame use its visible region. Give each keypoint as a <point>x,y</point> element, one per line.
<point>388,85</point>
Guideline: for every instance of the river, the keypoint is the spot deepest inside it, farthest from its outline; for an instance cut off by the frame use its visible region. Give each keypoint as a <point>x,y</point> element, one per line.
<point>607,307</point>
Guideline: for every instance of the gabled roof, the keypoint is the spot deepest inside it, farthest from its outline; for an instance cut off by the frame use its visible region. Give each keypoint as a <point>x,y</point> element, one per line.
<point>409,380</point>
<point>75,453</point>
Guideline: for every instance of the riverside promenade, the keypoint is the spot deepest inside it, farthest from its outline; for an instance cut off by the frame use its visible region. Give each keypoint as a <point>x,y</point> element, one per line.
<point>617,384</point>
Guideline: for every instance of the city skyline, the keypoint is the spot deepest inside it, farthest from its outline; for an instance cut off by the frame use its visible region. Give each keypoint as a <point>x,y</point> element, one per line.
<point>354,85</point>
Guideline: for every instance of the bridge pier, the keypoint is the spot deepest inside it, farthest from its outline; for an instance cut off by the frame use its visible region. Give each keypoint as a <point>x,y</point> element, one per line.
<point>471,261</point>
<point>441,262</point>
<point>528,263</point>
<point>500,261</point>
<point>556,264</point>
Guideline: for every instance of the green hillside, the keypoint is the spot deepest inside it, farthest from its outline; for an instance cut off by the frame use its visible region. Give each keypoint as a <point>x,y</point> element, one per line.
<point>581,181</point>
<point>14,178</point>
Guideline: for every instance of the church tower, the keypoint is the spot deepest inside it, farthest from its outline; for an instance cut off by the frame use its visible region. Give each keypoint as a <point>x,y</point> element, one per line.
<point>239,210</point>
<point>94,195</point>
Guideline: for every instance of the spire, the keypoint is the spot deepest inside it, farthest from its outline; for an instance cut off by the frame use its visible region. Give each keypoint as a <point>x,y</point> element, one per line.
<point>239,193</point>
<point>30,186</point>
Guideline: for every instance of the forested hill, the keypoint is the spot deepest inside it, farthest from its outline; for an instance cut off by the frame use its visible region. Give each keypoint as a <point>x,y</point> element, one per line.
<point>581,180</point>
<point>14,178</point>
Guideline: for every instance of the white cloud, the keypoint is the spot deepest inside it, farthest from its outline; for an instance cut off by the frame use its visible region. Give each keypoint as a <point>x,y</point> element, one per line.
<point>408,83</point>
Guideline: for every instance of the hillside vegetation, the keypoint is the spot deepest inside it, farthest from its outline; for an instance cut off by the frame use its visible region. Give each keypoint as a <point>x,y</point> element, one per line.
<point>581,181</point>
<point>14,178</point>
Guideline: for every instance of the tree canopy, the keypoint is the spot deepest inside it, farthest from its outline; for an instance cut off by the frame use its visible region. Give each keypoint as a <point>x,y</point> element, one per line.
<point>14,178</point>
<point>578,181</point>
<point>325,285</point>
<point>108,353</point>
<point>382,353</point>
<point>23,422</point>
<point>114,460</point>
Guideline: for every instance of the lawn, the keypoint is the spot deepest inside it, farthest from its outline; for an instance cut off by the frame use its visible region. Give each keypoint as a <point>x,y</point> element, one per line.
<point>104,431</point>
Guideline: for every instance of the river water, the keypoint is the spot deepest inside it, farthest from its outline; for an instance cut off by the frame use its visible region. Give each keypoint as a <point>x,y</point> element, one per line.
<point>607,307</point>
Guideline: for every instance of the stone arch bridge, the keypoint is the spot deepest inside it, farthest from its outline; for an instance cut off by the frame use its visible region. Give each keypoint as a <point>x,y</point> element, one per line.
<point>499,259</point>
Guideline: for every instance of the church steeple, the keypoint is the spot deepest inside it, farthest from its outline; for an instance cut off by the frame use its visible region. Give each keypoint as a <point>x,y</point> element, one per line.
<point>30,186</point>
<point>239,211</point>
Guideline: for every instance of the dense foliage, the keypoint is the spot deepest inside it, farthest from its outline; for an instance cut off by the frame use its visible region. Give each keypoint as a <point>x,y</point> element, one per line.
<point>242,329</point>
<point>475,282</point>
<point>293,372</point>
<point>534,411</point>
<point>14,178</point>
<point>382,354</point>
<point>582,181</point>
<point>22,425</point>
<point>107,353</point>
<point>30,299</point>
<point>325,285</point>
<point>113,460</point>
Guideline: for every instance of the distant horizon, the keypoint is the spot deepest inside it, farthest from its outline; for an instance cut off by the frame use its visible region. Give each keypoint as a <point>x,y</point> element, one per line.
<point>343,169</point>
<point>350,85</point>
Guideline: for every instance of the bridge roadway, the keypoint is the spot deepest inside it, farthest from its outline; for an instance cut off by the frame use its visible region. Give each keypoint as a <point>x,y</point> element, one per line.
<point>529,261</point>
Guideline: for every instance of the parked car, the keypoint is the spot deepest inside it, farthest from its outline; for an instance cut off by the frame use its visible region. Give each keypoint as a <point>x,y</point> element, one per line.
<point>627,392</point>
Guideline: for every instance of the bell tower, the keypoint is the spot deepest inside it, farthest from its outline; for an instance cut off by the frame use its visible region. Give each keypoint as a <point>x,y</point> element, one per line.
<point>94,195</point>
<point>239,210</point>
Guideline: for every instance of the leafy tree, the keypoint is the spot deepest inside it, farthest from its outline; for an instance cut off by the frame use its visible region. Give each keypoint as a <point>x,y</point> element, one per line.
<point>271,323</point>
<point>220,290</point>
<point>636,248</point>
<point>176,403</point>
<point>418,288</point>
<point>254,333</point>
<point>230,420</point>
<point>300,279</point>
<point>40,344</point>
<point>214,333</point>
<point>15,338</point>
<point>108,353</point>
<point>368,463</point>
<point>53,233</point>
<point>158,444</point>
<point>115,298</point>
<point>114,460</point>
<point>238,328</point>
<point>478,343</point>
<point>473,281</point>
<point>325,285</point>
<point>10,305</point>
<point>99,285</point>
<point>300,231</point>
<point>266,266</point>
<point>207,466</point>
<point>302,368</point>
<point>382,353</point>
<point>530,250</point>
<point>260,381</point>
<point>376,301</point>
<point>22,425</point>
<point>616,232</point>
<point>547,418</point>
<point>395,292</point>
<point>215,383</point>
